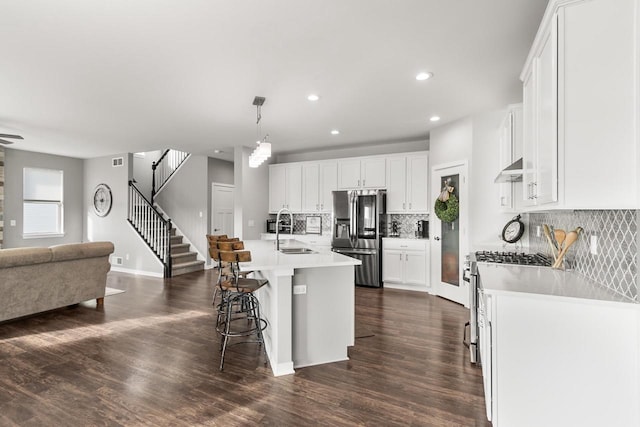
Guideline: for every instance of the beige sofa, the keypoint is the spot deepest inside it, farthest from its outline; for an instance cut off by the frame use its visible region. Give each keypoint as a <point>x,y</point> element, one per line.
<point>33,280</point>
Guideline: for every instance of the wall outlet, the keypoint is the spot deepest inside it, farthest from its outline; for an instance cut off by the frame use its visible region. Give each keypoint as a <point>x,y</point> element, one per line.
<point>593,245</point>
<point>200,213</point>
<point>126,257</point>
<point>12,223</point>
<point>251,223</point>
<point>299,289</point>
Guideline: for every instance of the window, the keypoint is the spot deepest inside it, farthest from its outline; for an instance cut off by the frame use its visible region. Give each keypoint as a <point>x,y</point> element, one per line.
<point>42,202</point>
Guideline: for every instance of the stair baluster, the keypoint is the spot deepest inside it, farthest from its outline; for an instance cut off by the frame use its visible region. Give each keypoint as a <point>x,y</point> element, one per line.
<point>154,229</point>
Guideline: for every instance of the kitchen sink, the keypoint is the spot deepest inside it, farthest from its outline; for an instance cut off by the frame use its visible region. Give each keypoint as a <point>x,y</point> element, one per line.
<point>297,251</point>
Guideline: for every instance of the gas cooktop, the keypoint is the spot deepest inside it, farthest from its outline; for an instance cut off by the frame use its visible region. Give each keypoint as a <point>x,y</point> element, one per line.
<point>519,258</point>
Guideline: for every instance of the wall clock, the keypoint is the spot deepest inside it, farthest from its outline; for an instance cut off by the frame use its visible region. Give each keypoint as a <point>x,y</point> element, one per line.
<point>513,231</point>
<point>102,200</point>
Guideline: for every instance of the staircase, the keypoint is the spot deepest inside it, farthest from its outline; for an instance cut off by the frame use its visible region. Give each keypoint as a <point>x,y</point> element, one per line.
<point>183,260</point>
<point>152,226</point>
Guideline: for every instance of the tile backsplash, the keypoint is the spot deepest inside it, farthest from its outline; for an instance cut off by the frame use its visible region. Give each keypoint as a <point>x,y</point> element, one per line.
<point>615,265</point>
<point>406,223</point>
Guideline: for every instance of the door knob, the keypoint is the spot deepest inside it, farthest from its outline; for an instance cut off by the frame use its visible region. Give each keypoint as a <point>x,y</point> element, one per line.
<point>436,238</point>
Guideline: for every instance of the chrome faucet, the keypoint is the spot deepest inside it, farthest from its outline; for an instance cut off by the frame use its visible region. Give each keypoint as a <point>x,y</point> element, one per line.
<point>285,210</point>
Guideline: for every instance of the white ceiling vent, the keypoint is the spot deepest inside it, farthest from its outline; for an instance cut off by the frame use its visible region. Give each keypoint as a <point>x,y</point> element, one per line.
<point>117,162</point>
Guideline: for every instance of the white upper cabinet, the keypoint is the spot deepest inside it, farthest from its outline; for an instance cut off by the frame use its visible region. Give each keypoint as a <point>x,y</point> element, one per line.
<point>407,183</point>
<point>362,173</point>
<point>510,151</point>
<point>319,179</point>
<point>581,108</point>
<point>540,178</point>
<point>285,187</point>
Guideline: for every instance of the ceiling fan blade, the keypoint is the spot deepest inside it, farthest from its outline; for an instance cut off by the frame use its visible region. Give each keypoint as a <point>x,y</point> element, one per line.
<point>3,141</point>
<point>6,135</point>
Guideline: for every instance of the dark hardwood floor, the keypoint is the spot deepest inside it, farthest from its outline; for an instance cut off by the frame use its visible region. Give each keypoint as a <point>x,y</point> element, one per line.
<point>150,356</point>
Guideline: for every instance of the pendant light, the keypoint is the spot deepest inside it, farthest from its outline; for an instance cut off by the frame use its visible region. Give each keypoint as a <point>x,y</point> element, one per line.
<point>263,151</point>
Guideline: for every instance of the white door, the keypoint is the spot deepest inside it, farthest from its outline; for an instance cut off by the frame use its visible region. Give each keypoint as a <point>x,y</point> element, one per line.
<point>449,241</point>
<point>415,272</point>
<point>392,263</point>
<point>328,184</point>
<point>373,173</point>
<point>417,183</point>
<point>311,187</point>
<point>396,184</point>
<point>222,209</point>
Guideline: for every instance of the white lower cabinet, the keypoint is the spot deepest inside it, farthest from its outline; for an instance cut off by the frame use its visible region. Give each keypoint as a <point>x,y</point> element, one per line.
<point>553,361</point>
<point>405,263</point>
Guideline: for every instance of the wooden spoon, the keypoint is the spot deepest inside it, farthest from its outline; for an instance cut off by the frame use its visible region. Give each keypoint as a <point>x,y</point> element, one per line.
<point>560,236</point>
<point>571,238</point>
<point>547,233</point>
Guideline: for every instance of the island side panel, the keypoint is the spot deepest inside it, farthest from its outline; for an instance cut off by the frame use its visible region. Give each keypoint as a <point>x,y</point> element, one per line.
<point>324,316</point>
<point>275,307</point>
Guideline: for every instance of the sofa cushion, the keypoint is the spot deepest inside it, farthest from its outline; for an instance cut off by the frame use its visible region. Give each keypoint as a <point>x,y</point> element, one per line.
<point>24,256</point>
<point>80,250</point>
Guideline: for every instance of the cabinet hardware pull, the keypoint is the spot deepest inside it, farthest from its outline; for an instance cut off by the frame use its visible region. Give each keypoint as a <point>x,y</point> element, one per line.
<point>363,182</point>
<point>406,257</point>
<point>403,246</point>
<point>409,205</point>
<point>403,206</point>
<point>400,257</point>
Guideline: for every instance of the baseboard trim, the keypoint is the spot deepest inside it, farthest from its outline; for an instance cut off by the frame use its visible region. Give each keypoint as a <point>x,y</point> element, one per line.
<point>137,272</point>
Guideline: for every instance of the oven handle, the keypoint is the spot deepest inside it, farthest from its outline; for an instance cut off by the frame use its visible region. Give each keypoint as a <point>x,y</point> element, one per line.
<point>464,335</point>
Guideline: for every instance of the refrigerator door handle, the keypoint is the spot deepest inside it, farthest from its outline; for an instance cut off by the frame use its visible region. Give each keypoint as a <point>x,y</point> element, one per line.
<point>353,235</point>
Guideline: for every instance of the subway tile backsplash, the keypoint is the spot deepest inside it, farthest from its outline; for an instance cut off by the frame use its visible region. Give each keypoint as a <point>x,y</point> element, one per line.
<point>615,265</point>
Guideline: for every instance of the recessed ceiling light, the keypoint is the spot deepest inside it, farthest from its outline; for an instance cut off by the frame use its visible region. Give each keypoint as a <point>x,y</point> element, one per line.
<point>313,97</point>
<point>434,118</point>
<point>424,75</point>
<point>335,132</point>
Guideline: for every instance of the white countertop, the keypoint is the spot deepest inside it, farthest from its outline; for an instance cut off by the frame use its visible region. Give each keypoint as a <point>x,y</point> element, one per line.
<point>265,257</point>
<point>498,278</point>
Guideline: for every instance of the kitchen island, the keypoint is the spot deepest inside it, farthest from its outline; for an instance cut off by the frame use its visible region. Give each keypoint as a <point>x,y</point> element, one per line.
<point>309,304</point>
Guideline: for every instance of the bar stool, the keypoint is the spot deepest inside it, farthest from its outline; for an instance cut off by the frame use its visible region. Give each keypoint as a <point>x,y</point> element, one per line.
<point>213,240</point>
<point>239,303</point>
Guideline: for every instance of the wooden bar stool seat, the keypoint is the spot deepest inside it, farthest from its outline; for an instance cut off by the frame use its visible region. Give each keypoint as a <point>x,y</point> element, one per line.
<point>238,302</point>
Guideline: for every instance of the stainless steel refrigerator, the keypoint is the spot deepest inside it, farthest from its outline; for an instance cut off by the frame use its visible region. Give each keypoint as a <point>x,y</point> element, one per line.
<point>357,228</point>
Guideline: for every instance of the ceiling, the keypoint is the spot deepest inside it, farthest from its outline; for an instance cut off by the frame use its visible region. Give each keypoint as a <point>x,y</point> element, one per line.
<point>92,78</point>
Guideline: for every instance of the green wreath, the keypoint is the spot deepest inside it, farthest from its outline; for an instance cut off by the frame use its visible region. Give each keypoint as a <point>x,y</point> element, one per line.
<point>447,211</point>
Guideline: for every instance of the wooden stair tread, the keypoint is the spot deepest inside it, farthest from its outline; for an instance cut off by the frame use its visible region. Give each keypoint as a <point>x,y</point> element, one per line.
<point>186,264</point>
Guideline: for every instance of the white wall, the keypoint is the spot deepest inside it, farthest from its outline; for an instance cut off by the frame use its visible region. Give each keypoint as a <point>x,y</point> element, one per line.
<point>475,139</point>
<point>451,142</point>
<point>73,169</point>
<point>355,151</point>
<point>252,196</point>
<point>485,220</point>
<point>185,201</point>
<point>142,171</point>
<point>114,227</point>
<point>220,171</point>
